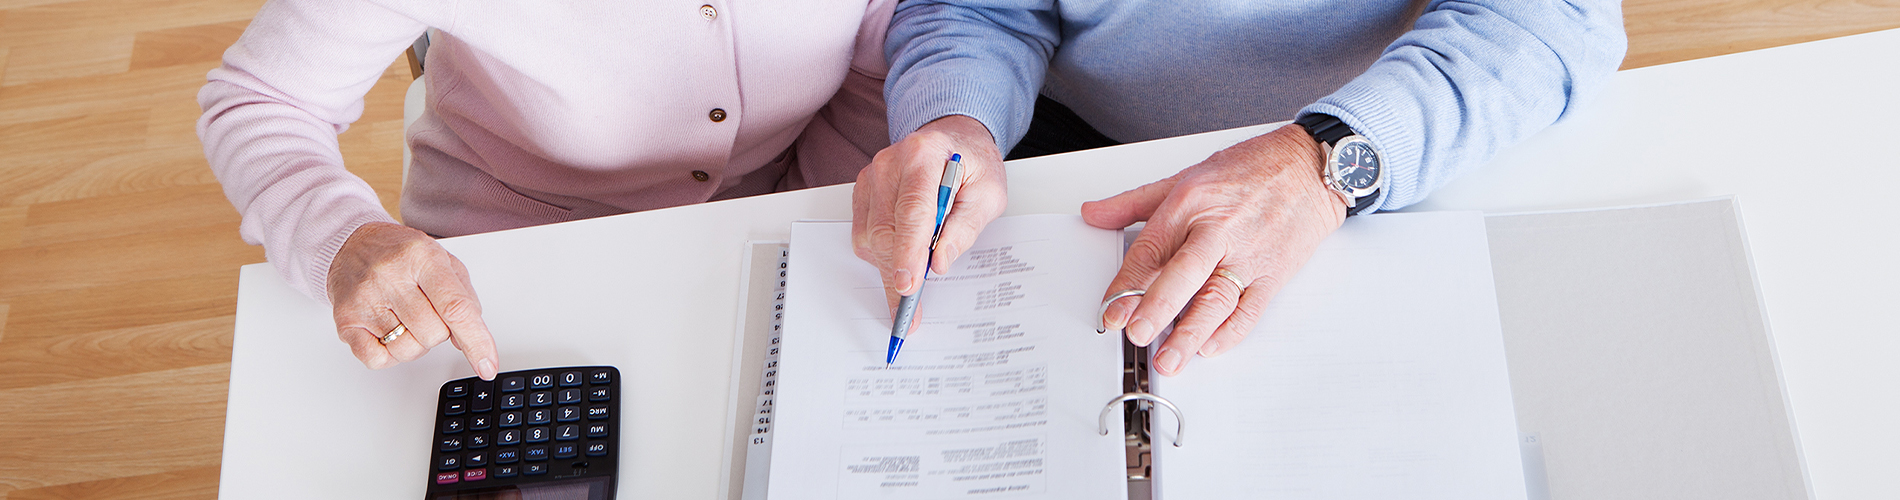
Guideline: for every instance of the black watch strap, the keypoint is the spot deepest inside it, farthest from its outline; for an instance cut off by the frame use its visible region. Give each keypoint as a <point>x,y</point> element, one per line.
<point>1324,127</point>
<point>1364,203</point>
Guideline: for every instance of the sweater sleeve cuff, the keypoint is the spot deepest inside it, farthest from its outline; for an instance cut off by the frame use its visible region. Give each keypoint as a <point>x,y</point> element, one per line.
<point>931,98</point>
<point>315,271</point>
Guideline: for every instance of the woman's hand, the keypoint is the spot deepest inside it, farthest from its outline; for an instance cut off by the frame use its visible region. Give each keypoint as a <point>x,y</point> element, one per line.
<point>1256,210</point>
<point>894,205</point>
<point>389,274</point>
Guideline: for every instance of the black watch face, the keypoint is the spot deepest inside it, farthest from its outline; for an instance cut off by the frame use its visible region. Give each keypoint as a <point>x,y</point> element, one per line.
<point>1358,165</point>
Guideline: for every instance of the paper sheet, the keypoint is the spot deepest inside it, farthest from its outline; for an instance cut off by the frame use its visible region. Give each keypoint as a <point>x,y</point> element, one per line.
<point>1377,372</point>
<point>994,396</point>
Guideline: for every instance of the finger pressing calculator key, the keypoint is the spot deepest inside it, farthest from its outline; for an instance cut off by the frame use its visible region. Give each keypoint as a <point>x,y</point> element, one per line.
<point>480,447</point>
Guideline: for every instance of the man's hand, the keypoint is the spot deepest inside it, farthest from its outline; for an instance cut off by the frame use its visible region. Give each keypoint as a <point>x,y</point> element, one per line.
<point>894,205</point>
<point>1257,209</point>
<point>388,273</point>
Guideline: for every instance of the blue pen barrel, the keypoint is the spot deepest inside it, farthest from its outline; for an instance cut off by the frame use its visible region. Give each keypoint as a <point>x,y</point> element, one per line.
<point>943,207</point>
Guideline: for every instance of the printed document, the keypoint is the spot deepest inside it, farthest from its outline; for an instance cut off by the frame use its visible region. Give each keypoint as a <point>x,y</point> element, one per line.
<point>996,393</point>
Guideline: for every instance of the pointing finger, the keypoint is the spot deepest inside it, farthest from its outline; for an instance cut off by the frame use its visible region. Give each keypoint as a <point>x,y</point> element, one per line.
<point>453,297</point>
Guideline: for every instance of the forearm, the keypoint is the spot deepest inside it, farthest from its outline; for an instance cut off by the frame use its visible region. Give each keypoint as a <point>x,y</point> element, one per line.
<point>986,63</point>
<point>1472,78</point>
<point>286,178</point>
<point>272,112</point>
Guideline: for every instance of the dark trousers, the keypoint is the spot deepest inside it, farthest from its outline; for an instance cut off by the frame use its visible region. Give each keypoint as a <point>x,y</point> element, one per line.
<point>1055,129</point>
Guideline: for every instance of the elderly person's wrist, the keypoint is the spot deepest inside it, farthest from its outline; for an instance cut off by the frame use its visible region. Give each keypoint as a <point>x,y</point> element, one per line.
<point>1315,161</point>
<point>963,126</point>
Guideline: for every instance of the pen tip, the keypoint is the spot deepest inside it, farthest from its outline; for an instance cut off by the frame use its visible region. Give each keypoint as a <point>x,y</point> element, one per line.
<point>956,157</point>
<point>890,355</point>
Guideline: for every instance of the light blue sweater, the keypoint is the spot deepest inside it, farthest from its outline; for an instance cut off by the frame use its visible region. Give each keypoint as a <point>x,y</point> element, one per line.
<point>1438,86</point>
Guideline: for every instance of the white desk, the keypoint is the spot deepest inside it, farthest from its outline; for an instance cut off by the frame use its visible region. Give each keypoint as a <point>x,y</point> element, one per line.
<point>1805,134</point>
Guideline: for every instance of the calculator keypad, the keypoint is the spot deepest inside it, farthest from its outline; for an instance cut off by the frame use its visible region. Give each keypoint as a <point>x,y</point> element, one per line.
<point>525,427</point>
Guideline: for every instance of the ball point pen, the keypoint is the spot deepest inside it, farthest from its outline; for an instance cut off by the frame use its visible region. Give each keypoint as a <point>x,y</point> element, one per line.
<point>907,306</point>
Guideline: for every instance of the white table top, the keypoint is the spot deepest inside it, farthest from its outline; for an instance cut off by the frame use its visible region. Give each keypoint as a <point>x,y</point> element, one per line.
<point>1803,134</point>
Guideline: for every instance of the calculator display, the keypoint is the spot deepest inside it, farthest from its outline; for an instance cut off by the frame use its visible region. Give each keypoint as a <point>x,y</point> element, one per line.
<point>543,434</point>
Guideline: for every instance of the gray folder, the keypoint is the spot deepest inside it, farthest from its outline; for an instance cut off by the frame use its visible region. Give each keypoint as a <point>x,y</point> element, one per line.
<point>1641,362</point>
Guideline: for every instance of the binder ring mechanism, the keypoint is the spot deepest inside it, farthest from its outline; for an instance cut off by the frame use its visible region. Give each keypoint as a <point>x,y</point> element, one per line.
<point>1101,316</point>
<point>1180,421</point>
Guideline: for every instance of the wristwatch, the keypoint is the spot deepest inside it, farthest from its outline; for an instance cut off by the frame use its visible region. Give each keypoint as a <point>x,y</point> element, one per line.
<point>1353,166</point>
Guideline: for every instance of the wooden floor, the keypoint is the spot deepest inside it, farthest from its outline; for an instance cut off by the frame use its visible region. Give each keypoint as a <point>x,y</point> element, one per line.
<point>119,254</point>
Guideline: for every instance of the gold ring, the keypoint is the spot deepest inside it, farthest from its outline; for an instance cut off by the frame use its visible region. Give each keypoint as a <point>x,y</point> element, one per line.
<point>394,334</point>
<point>1231,277</point>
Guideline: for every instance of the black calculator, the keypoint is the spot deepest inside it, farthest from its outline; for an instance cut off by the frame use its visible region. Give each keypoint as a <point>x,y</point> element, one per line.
<point>550,433</point>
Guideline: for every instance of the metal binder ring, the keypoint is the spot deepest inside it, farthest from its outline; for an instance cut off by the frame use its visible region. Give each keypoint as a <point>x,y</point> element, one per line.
<point>1180,421</point>
<point>1101,316</point>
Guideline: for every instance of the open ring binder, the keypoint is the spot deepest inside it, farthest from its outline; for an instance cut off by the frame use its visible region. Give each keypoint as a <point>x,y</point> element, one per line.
<point>1101,316</point>
<point>1180,421</point>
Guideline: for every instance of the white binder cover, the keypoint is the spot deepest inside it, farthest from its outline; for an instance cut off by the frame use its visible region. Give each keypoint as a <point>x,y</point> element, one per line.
<point>1377,373</point>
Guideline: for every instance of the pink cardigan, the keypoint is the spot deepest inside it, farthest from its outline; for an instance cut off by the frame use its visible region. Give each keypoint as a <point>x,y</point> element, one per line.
<point>540,111</point>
